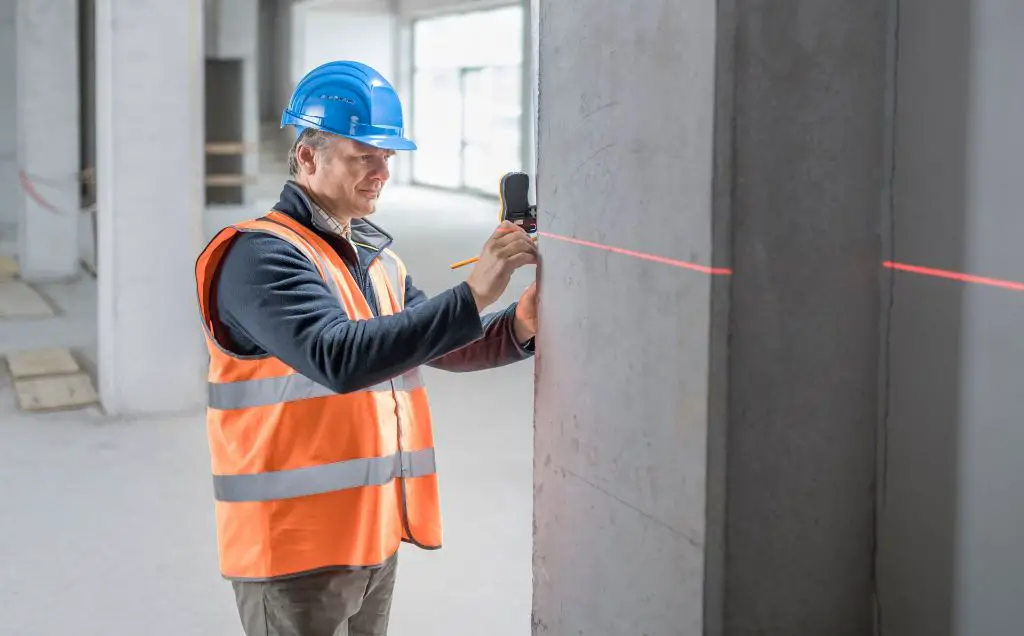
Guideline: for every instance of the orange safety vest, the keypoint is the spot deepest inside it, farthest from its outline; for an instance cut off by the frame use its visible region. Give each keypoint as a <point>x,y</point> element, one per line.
<point>306,478</point>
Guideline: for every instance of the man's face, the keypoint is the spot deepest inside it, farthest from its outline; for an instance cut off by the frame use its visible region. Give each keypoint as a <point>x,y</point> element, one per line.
<point>345,177</point>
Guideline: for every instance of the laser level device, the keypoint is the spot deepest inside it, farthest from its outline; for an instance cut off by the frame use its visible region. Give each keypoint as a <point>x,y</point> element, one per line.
<point>514,207</point>
<point>514,192</point>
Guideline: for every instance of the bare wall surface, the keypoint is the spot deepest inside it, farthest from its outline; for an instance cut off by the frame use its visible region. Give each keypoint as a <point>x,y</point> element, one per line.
<point>808,143</point>
<point>428,7</point>
<point>140,190</point>
<point>622,380</point>
<point>990,501</point>
<point>9,188</point>
<point>923,324</point>
<point>48,133</point>
<point>270,49</point>
<point>237,38</point>
<point>330,35</point>
<point>629,523</point>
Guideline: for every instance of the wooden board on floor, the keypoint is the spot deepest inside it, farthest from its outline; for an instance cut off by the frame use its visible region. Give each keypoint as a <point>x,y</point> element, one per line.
<point>36,362</point>
<point>56,392</point>
<point>18,300</point>
<point>8,268</point>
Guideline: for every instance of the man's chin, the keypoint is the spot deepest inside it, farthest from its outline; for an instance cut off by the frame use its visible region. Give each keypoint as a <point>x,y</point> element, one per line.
<point>365,208</point>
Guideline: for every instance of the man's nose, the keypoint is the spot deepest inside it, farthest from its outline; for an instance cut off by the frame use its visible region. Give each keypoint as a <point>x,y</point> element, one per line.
<point>381,170</point>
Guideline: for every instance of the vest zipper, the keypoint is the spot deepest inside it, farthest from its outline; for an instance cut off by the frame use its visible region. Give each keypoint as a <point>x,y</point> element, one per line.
<point>363,279</point>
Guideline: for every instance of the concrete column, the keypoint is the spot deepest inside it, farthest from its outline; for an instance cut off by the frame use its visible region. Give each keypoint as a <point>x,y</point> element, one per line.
<point>9,189</point>
<point>149,76</point>
<point>990,500</point>
<point>529,94</point>
<point>402,53</point>
<point>704,456</point>
<point>952,510</point>
<point>48,157</point>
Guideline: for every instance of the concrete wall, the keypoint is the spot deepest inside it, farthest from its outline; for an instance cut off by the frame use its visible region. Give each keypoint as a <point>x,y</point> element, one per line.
<point>149,187</point>
<point>921,374</point>
<point>704,455</point>
<point>809,90</point>
<point>9,188</point>
<point>235,36</point>
<point>951,510</point>
<point>623,365</point>
<point>49,139</point>
<point>990,529</point>
<point>283,38</point>
<point>87,67</point>
<point>355,6</point>
<point>417,8</point>
<point>274,58</point>
<point>269,51</point>
<point>274,77</point>
<point>362,30</point>
<point>325,35</point>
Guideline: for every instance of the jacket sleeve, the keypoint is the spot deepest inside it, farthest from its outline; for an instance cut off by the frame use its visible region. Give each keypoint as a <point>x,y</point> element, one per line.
<point>269,293</point>
<point>497,348</point>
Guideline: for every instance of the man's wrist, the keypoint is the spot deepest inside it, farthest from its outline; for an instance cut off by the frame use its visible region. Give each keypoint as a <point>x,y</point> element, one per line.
<point>521,332</point>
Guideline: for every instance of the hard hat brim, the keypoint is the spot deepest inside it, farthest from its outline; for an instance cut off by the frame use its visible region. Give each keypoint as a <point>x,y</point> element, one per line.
<point>386,142</point>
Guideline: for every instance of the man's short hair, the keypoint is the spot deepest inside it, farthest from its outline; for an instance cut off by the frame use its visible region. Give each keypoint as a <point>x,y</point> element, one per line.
<point>315,139</point>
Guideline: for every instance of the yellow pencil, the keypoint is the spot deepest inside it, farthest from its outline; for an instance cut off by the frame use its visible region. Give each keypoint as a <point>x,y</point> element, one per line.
<point>470,261</point>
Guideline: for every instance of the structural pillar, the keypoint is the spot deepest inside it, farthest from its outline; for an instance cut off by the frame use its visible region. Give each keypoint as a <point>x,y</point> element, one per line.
<point>951,511</point>
<point>9,189</point>
<point>149,155</point>
<point>47,160</point>
<point>709,179</point>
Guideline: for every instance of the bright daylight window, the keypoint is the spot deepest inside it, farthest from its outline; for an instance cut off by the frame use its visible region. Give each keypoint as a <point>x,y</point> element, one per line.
<point>467,106</point>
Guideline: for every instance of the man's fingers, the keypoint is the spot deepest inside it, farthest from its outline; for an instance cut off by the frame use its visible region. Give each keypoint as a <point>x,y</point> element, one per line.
<point>505,227</point>
<point>517,247</point>
<point>504,237</point>
<point>523,258</point>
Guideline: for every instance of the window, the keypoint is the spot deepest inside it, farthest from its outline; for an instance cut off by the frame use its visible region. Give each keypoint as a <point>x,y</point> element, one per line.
<point>467,98</point>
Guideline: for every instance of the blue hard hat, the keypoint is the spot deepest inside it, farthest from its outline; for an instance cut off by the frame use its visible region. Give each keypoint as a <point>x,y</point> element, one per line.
<point>351,100</point>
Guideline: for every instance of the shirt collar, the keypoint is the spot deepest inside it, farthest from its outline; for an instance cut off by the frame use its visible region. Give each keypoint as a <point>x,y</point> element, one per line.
<point>295,202</point>
<point>327,223</point>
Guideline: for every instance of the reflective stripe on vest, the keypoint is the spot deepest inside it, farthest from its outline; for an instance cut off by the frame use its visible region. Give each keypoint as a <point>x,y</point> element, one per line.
<point>315,480</point>
<point>290,388</point>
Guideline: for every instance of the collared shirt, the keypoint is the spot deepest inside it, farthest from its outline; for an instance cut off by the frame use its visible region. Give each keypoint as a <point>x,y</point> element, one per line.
<point>327,223</point>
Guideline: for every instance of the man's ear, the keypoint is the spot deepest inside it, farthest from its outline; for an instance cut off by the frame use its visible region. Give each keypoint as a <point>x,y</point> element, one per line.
<point>306,158</point>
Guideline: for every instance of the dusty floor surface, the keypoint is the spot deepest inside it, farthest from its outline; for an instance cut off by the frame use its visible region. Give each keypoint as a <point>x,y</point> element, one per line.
<point>106,525</point>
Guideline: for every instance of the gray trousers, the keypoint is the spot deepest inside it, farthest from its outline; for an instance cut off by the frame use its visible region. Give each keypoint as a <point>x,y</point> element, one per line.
<point>333,603</point>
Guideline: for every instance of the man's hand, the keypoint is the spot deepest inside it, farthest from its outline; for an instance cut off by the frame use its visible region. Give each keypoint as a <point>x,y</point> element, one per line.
<point>525,325</point>
<point>508,249</point>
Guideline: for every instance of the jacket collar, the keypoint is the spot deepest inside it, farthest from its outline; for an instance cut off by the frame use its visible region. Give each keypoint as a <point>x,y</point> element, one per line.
<point>295,203</point>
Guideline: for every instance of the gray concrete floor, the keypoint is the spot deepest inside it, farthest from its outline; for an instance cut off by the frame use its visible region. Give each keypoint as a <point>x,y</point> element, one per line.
<point>106,525</point>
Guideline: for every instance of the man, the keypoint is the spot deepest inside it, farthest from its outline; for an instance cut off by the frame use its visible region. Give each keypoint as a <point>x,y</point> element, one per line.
<point>318,421</point>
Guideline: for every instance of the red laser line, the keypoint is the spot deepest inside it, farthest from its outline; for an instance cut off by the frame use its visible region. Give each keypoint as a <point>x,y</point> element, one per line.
<point>957,276</point>
<point>704,269</point>
<point>724,271</point>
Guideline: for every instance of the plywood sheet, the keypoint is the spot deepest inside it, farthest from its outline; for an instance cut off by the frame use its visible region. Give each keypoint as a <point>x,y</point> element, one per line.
<point>36,362</point>
<point>8,268</point>
<point>18,300</point>
<point>55,392</point>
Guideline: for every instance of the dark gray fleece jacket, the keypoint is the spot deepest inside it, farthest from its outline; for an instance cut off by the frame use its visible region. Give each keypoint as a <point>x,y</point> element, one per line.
<point>269,298</point>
